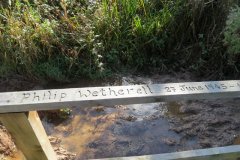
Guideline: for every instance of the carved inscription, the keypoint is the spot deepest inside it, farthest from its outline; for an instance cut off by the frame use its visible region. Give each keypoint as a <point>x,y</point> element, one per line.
<point>85,93</point>
<point>125,91</point>
<point>46,95</point>
<point>207,86</point>
<point>56,98</point>
<point>115,92</point>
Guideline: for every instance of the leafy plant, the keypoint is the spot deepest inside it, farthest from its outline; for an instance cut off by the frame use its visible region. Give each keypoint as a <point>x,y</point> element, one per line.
<point>232,35</point>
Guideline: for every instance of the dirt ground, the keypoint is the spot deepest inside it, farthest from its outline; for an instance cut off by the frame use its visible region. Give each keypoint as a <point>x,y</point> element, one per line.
<point>135,129</point>
<point>6,143</point>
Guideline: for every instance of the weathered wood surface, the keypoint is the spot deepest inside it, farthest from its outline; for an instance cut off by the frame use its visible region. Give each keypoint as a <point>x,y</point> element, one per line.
<point>29,135</point>
<point>113,95</point>
<point>218,153</point>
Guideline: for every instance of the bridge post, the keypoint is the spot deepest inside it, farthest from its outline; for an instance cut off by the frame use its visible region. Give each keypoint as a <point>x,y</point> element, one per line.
<point>29,135</point>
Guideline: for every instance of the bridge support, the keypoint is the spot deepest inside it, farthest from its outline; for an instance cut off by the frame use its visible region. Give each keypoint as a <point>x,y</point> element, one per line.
<point>29,135</point>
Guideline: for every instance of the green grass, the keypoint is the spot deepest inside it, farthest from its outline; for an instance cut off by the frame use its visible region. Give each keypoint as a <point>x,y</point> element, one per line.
<point>134,32</point>
<point>65,40</point>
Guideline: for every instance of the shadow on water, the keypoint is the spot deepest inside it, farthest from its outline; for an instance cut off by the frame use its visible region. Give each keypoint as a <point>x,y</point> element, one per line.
<point>112,131</point>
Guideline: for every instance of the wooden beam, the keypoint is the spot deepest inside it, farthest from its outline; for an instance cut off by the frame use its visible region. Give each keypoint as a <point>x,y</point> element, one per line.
<point>114,95</point>
<point>29,135</point>
<point>218,153</point>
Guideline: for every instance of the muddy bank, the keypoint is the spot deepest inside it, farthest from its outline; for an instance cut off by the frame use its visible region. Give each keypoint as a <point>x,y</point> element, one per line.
<point>213,123</point>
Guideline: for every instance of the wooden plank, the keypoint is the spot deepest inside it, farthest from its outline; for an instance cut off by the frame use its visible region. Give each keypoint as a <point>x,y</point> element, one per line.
<point>58,98</point>
<point>29,135</point>
<point>218,153</point>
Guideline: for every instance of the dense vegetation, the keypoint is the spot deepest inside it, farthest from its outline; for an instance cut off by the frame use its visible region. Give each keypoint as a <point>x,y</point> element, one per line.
<point>67,39</point>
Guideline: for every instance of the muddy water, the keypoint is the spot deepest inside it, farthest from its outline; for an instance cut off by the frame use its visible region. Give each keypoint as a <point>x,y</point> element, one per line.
<point>99,132</point>
<point>112,131</point>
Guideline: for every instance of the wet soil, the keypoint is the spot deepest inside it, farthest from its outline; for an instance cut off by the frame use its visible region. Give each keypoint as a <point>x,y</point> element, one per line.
<point>213,123</point>
<point>112,131</point>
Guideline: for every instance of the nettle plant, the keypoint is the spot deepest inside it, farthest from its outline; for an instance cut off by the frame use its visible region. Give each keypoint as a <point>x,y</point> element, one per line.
<point>232,35</point>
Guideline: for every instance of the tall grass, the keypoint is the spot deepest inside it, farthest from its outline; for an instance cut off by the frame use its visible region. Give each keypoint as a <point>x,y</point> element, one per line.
<point>63,40</point>
<point>135,31</point>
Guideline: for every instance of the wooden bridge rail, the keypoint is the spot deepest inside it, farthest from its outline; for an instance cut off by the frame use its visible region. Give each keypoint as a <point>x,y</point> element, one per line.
<point>29,133</point>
